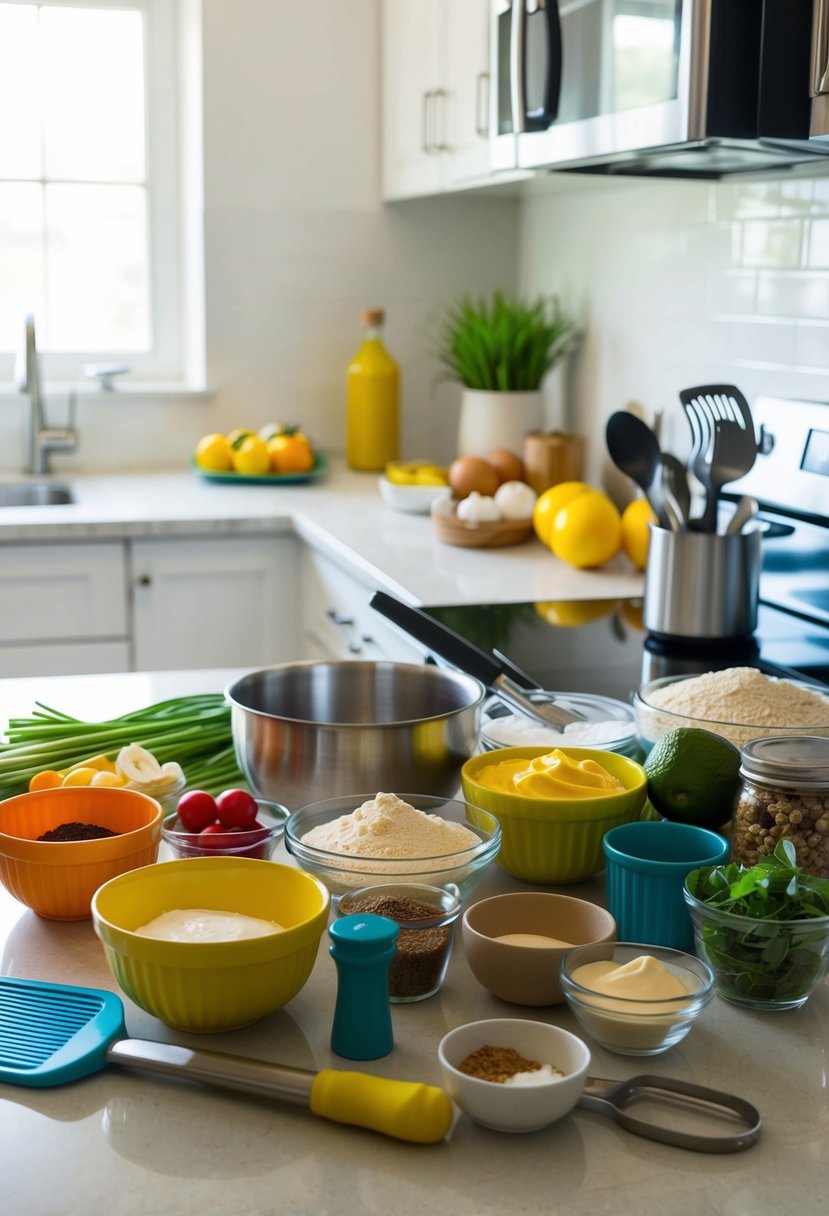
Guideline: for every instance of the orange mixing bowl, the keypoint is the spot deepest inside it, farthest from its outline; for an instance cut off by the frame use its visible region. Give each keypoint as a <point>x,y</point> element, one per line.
<point>57,879</point>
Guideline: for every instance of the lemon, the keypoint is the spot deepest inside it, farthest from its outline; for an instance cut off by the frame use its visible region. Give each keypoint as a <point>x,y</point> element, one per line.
<point>251,456</point>
<point>238,435</point>
<point>213,454</point>
<point>80,776</point>
<point>549,504</point>
<point>693,776</point>
<point>432,475</point>
<point>636,520</point>
<point>586,531</point>
<point>568,614</point>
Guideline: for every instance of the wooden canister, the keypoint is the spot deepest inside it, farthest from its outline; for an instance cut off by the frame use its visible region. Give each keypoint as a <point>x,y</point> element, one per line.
<point>553,457</point>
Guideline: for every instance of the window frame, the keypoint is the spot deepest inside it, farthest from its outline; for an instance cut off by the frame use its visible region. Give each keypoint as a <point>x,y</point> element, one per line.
<point>164,360</point>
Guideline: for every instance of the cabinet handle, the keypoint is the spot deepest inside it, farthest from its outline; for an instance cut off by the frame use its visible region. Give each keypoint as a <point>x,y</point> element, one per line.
<point>482,91</point>
<point>339,618</point>
<point>144,580</point>
<point>424,121</point>
<point>440,144</point>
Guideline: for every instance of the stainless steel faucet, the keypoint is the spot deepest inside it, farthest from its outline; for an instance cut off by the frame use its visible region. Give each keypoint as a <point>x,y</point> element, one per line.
<point>43,439</point>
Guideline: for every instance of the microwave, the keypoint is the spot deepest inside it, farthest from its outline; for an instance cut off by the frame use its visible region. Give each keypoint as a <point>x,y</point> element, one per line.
<point>671,88</point>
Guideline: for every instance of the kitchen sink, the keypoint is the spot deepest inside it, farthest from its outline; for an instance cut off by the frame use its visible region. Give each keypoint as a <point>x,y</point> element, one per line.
<point>34,494</point>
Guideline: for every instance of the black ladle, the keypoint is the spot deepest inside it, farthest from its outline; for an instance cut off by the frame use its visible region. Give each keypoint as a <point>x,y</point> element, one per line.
<point>635,450</point>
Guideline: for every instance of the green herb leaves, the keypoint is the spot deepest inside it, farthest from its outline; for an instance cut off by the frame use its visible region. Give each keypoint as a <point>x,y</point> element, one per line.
<point>506,345</point>
<point>764,931</point>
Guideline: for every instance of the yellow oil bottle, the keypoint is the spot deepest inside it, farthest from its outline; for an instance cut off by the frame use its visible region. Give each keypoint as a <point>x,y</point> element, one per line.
<point>372,399</point>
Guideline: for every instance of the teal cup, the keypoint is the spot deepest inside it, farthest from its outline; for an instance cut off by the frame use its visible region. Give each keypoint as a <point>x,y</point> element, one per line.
<point>645,869</point>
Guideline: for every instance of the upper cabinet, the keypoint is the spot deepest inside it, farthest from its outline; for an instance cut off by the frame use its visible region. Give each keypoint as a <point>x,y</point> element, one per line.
<point>435,96</point>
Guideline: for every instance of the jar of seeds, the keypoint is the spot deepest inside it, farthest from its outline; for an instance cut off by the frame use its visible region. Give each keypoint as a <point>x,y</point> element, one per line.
<point>784,795</point>
<point>426,918</point>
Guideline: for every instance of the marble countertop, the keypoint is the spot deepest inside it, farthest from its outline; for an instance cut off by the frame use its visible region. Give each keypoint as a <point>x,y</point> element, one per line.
<point>135,1145</point>
<point>342,515</point>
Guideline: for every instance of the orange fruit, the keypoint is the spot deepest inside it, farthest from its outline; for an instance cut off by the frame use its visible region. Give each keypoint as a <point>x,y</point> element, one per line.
<point>291,452</point>
<point>636,534</point>
<point>550,502</point>
<point>49,779</point>
<point>587,531</point>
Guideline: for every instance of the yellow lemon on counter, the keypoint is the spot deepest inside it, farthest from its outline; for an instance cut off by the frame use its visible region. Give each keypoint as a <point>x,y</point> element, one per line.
<point>636,534</point>
<point>251,456</point>
<point>213,453</point>
<point>587,531</point>
<point>549,503</point>
<point>240,433</point>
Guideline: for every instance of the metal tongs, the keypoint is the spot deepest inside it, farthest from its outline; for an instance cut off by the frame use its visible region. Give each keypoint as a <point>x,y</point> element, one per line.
<point>613,1098</point>
<point>450,646</point>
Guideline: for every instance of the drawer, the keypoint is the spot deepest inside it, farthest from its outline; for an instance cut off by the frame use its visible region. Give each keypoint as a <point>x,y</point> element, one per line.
<point>61,592</point>
<point>64,659</point>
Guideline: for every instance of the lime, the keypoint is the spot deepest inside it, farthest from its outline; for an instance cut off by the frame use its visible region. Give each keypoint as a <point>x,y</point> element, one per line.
<point>693,776</point>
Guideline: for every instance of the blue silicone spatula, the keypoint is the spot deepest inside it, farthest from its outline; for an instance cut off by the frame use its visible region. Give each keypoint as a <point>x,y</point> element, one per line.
<point>51,1034</point>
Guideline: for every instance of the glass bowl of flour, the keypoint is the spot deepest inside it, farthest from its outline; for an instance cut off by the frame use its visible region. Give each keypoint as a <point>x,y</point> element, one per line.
<point>364,840</point>
<point>606,724</point>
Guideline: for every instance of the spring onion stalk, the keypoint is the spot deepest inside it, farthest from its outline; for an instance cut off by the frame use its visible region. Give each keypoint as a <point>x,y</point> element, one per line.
<point>193,730</point>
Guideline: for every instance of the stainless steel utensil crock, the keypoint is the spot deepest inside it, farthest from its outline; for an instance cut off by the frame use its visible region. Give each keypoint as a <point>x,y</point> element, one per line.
<point>702,584</point>
<point>316,730</point>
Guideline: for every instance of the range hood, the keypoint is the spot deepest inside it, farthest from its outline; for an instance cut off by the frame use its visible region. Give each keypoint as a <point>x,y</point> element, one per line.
<point>711,159</point>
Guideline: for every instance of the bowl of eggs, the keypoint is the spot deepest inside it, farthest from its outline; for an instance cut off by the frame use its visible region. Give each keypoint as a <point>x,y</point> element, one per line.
<point>488,504</point>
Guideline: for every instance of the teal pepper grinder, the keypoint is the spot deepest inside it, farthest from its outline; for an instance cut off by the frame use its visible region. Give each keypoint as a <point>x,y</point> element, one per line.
<point>363,948</point>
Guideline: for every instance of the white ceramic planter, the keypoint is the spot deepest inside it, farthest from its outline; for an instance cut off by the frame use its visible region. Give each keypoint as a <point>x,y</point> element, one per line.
<point>496,420</point>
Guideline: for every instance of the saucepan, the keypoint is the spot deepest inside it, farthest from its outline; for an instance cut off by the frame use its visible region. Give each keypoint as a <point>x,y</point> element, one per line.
<point>311,730</point>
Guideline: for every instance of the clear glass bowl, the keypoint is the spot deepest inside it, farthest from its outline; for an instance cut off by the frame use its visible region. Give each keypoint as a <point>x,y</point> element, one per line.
<point>608,724</point>
<point>652,722</point>
<point>761,964</point>
<point>424,945</point>
<point>631,1026</point>
<point>342,872</point>
<point>258,842</point>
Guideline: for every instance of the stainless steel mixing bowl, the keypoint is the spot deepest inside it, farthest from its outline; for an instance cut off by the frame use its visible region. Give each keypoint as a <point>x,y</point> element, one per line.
<point>306,731</point>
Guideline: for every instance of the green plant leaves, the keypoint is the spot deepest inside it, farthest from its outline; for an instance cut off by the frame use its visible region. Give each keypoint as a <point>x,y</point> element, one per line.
<point>503,344</point>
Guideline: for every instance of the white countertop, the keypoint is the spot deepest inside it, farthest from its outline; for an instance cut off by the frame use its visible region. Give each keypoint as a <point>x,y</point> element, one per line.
<point>342,514</point>
<point>133,1145</point>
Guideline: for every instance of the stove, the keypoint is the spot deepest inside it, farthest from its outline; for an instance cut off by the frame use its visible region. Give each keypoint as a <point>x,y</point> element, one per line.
<point>601,646</point>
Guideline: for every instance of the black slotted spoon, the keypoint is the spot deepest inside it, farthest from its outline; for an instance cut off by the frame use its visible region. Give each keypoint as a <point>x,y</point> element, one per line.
<point>724,442</point>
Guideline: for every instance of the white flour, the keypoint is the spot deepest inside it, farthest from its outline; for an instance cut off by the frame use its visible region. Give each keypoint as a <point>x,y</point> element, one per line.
<point>386,826</point>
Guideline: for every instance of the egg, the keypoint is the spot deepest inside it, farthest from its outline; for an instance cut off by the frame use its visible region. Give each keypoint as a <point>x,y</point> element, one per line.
<point>469,473</point>
<point>507,465</point>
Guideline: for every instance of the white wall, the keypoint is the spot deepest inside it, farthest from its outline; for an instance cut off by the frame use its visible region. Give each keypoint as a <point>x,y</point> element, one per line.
<point>297,243</point>
<point>682,283</point>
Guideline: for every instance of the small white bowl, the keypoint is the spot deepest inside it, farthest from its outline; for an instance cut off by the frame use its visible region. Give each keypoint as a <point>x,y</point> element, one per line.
<point>515,1108</point>
<point>415,500</point>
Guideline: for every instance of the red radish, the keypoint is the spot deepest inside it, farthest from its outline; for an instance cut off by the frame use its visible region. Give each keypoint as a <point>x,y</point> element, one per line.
<point>237,809</point>
<point>217,836</point>
<point>196,809</point>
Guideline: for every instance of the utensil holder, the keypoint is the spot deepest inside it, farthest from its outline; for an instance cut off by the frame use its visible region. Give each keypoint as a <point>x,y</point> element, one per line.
<point>702,584</point>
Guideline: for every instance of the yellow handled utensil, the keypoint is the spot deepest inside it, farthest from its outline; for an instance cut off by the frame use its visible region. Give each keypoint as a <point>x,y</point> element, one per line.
<point>54,1034</point>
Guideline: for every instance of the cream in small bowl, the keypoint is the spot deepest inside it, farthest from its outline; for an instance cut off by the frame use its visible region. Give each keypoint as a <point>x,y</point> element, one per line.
<point>634,999</point>
<point>552,1067</point>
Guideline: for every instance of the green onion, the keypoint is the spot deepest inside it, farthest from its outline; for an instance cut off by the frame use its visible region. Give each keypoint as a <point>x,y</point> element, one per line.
<point>194,730</point>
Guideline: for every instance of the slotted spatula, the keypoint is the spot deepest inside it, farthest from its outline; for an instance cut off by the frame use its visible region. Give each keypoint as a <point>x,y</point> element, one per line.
<point>51,1034</point>
<point>724,442</point>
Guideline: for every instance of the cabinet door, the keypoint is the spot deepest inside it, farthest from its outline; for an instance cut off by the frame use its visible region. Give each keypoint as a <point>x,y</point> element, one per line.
<point>412,100</point>
<point>215,602</point>
<point>64,659</point>
<point>466,101</point>
<point>62,592</point>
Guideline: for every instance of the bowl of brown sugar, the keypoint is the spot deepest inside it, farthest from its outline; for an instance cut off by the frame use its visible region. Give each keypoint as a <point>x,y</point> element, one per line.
<point>512,1075</point>
<point>426,917</point>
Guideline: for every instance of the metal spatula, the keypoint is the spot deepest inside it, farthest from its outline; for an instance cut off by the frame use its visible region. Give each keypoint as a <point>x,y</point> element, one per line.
<point>51,1034</point>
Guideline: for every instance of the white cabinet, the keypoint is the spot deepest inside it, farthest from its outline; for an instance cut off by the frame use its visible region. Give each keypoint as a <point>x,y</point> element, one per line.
<point>435,78</point>
<point>63,609</point>
<point>214,602</point>
<point>337,620</point>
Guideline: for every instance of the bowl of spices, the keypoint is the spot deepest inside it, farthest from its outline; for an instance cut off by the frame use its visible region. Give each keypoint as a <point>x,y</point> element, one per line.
<point>426,917</point>
<point>57,846</point>
<point>512,1075</point>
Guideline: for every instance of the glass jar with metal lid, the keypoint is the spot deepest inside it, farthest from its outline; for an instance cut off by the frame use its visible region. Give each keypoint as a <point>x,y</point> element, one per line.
<point>784,794</point>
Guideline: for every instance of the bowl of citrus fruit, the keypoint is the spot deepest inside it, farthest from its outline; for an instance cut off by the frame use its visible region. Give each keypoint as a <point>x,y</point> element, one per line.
<point>275,453</point>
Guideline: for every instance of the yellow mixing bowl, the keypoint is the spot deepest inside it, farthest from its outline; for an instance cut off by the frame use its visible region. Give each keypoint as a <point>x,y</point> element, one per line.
<point>556,840</point>
<point>212,986</point>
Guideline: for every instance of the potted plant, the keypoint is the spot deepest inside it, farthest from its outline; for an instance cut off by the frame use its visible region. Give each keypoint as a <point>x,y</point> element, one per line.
<point>500,350</point>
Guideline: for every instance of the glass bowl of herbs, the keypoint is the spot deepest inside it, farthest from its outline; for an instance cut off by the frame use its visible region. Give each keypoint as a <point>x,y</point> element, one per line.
<point>763,930</point>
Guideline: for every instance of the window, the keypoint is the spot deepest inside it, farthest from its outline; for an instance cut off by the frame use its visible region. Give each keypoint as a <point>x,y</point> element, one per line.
<point>89,193</point>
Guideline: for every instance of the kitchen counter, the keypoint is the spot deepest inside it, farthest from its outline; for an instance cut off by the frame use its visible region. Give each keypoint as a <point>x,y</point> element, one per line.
<point>135,1145</point>
<point>342,515</point>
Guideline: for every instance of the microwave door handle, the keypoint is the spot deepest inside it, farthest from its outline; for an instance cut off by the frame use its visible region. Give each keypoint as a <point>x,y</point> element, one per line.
<point>552,85</point>
<point>518,94</point>
<point>820,48</point>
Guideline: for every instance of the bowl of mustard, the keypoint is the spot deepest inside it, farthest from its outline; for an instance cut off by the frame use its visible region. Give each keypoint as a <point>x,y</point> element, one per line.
<point>555,806</point>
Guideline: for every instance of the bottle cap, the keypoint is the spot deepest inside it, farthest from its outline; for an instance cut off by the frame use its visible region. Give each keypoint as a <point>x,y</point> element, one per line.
<point>373,316</point>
